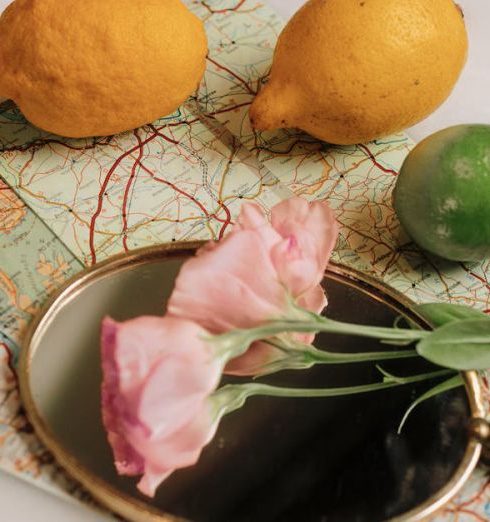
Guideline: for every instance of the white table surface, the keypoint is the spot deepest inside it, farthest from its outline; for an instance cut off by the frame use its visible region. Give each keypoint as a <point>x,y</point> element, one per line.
<point>21,502</point>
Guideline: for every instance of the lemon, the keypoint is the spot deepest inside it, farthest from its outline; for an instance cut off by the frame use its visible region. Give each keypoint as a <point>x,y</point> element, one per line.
<point>97,67</point>
<point>349,71</point>
<point>442,194</point>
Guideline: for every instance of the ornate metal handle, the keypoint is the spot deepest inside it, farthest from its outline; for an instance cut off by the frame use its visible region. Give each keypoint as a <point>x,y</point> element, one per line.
<point>480,430</point>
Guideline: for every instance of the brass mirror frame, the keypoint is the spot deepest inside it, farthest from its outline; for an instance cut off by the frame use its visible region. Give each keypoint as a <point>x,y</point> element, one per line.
<point>136,510</point>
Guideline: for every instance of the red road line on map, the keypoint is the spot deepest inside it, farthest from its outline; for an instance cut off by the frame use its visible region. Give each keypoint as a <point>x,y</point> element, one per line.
<point>374,160</point>
<point>100,198</point>
<point>103,188</point>
<point>126,192</point>
<point>189,196</point>
<point>228,109</point>
<point>485,381</point>
<point>468,512</point>
<point>476,496</point>
<point>367,236</point>
<point>214,113</point>
<point>476,276</point>
<point>287,151</point>
<point>166,138</point>
<point>208,114</point>
<point>227,222</point>
<point>10,361</point>
<point>179,123</point>
<point>180,191</point>
<point>479,279</point>
<point>174,187</point>
<point>436,270</point>
<point>229,71</point>
<point>221,11</point>
<point>41,142</point>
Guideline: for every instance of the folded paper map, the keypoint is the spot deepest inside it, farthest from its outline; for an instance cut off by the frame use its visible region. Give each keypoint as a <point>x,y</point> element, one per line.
<point>66,204</point>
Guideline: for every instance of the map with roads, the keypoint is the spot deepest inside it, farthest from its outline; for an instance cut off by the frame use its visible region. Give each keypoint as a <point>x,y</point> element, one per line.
<point>66,204</point>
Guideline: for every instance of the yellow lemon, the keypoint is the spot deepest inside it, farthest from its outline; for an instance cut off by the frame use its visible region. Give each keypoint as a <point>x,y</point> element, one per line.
<point>96,67</point>
<point>349,71</point>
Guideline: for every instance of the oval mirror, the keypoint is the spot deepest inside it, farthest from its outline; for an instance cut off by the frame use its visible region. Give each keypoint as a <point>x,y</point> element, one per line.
<point>277,459</point>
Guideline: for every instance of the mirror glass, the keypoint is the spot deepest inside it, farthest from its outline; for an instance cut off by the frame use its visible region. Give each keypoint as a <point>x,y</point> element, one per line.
<point>277,459</point>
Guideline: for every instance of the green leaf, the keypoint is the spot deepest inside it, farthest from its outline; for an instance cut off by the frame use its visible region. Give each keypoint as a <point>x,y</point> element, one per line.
<point>439,314</point>
<point>454,382</point>
<point>460,345</point>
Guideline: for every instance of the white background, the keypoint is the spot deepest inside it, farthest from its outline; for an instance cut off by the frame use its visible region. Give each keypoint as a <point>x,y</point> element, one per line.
<point>469,103</point>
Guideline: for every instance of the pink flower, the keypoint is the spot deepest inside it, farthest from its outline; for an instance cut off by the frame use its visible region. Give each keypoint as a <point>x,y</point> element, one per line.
<point>253,274</point>
<point>157,376</point>
<point>309,232</point>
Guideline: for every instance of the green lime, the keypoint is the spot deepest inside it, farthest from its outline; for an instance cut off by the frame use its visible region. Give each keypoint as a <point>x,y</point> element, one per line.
<point>442,195</point>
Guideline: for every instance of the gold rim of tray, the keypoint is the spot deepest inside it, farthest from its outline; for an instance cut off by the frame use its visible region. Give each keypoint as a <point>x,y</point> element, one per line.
<point>137,510</point>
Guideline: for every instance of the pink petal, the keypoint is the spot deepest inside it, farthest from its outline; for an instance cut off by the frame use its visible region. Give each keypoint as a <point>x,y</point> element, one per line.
<point>179,450</point>
<point>220,289</point>
<point>295,260</point>
<point>151,479</point>
<point>290,215</point>
<point>261,354</point>
<point>296,217</point>
<point>140,344</point>
<point>157,373</point>
<point>252,217</point>
<point>127,459</point>
<point>250,276</point>
<point>253,361</point>
<point>174,392</point>
<point>313,300</point>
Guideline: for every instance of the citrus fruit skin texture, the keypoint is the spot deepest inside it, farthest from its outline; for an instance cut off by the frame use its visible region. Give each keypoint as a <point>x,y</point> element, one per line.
<point>442,194</point>
<point>350,71</point>
<point>86,68</point>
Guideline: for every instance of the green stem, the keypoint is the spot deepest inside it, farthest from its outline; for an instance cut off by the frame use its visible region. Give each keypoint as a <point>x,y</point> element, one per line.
<point>239,393</point>
<point>316,356</point>
<point>300,356</point>
<point>236,342</point>
<point>323,324</point>
<point>275,391</point>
